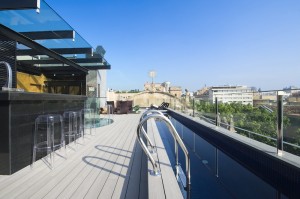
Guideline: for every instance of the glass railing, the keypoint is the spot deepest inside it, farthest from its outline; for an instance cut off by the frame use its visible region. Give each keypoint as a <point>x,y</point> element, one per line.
<point>97,118</point>
<point>258,121</point>
<point>291,131</point>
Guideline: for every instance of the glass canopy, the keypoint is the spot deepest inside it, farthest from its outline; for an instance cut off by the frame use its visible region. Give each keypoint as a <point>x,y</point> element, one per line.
<point>45,20</point>
<point>50,30</point>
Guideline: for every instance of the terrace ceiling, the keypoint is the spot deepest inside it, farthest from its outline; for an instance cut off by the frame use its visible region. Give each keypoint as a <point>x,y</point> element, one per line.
<point>46,42</point>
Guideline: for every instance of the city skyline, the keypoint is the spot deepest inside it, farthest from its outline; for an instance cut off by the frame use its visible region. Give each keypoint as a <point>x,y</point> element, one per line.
<point>194,43</point>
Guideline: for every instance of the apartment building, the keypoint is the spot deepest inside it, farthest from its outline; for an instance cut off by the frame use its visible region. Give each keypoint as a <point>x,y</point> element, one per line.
<point>230,94</point>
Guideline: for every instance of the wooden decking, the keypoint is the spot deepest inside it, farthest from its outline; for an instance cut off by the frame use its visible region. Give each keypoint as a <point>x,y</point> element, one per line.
<point>164,186</point>
<point>108,164</point>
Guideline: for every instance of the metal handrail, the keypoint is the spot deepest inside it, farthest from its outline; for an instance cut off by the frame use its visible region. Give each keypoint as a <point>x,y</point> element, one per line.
<point>178,141</point>
<point>151,111</point>
<point>9,74</point>
<point>156,171</point>
<point>143,129</point>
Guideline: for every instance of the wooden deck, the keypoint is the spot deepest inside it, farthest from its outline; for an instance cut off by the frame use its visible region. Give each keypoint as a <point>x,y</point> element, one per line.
<point>164,186</point>
<point>107,164</point>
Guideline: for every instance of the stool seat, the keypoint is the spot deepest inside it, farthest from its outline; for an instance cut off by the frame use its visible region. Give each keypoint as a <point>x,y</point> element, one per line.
<point>48,135</point>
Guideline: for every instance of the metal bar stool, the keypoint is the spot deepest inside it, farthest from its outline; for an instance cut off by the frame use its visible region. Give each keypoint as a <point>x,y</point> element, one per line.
<point>89,119</point>
<point>48,136</point>
<point>70,121</point>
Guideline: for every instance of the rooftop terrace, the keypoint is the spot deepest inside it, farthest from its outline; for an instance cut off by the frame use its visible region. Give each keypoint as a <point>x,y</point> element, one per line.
<point>111,164</point>
<point>106,164</point>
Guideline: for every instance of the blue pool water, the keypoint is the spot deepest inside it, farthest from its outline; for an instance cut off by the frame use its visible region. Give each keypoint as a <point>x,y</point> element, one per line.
<point>213,173</point>
<point>98,122</point>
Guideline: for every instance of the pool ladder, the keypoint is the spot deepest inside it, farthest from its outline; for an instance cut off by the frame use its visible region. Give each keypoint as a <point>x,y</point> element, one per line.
<point>156,114</point>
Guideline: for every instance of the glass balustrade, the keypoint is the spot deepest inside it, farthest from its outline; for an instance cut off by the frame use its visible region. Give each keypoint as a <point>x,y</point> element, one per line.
<point>256,120</point>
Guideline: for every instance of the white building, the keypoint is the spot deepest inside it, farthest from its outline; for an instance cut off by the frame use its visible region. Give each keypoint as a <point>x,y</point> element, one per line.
<point>229,94</point>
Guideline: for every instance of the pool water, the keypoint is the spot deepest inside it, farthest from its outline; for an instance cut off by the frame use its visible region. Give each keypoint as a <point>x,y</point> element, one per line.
<point>98,122</point>
<point>213,173</point>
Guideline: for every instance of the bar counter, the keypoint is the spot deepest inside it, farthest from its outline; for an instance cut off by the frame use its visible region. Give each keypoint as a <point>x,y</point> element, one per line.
<point>18,111</point>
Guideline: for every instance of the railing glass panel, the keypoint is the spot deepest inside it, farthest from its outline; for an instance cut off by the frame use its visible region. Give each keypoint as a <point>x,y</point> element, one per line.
<point>99,119</point>
<point>291,113</point>
<point>255,118</point>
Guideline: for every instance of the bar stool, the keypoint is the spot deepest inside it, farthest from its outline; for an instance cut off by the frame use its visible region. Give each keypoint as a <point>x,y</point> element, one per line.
<point>80,125</point>
<point>89,118</point>
<point>71,126</point>
<point>48,135</point>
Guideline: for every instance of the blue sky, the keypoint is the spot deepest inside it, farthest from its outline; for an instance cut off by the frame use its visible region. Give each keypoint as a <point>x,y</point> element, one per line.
<point>192,43</point>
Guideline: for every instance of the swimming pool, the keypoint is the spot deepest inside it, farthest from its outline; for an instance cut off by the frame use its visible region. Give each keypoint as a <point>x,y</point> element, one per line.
<point>214,174</point>
<point>98,122</point>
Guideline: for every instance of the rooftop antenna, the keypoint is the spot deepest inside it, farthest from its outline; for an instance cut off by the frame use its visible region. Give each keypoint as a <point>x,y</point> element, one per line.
<point>152,74</point>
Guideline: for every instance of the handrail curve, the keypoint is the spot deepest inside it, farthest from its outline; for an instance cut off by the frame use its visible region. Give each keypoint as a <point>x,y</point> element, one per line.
<point>151,111</point>
<point>156,171</point>
<point>178,141</point>
<point>8,83</point>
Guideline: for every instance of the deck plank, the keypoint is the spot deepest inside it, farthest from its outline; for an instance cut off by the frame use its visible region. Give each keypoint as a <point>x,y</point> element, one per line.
<point>121,186</point>
<point>108,164</point>
<point>134,176</point>
<point>171,187</point>
<point>101,169</point>
<point>80,181</point>
<point>114,175</point>
<point>155,183</point>
<point>61,177</point>
<point>117,144</point>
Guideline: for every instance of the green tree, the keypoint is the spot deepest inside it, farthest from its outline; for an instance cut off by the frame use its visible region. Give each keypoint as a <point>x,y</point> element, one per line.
<point>253,119</point>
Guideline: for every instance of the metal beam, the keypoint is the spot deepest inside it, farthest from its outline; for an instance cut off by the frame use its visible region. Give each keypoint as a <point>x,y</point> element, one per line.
<point>19,5</point>
<point>29,69</point>
<point>56,34</point>
<point>103,67</point>
<point>31,44</point>
<point>59,71</point>
<point>54,61</point>
<point>65,51</point>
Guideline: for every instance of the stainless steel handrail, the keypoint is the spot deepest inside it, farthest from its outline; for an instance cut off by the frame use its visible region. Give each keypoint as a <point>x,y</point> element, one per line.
<point>178,141</point>
<point>143,130</point>
<point>156,171</point>
<point>9,74</point>
<point>151,111</point>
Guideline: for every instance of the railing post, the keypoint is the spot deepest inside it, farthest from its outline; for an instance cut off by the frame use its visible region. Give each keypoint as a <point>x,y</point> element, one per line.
<point>174,103</point>
<point>176,157</point>
<point>193,107</point>
<point>216,162</point>
<point>279,123</point>
<point>217,111</point>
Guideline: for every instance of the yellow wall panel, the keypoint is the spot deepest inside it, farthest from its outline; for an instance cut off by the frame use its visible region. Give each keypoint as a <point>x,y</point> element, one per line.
<point>31,83</point>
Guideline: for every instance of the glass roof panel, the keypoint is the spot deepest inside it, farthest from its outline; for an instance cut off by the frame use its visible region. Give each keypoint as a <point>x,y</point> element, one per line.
<point>46,20</point>
<point>30,20</point>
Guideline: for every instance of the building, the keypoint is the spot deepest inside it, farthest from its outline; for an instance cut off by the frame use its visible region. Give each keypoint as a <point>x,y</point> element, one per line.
<point>230,94</point>
<point>264,98</point>
<point>163,87</point>
<point>48,67</point>
<point>202,93</point>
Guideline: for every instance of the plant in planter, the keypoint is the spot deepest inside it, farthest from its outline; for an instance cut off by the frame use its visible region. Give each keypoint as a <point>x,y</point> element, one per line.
<point>136,109</point>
